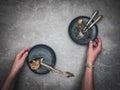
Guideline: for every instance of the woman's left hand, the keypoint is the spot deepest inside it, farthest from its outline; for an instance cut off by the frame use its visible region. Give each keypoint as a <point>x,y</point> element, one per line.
<point>19,60</point>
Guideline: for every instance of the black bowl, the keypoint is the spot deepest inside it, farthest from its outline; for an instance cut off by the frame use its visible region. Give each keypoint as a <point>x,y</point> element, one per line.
<point>42,51</point>
<point>74,30</point>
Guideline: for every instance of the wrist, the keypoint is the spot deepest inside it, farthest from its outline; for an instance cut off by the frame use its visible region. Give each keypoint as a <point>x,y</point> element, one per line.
<point>12,74</point>
<point>88,65</point>
<point>14,71</point>
<point>90,61</point>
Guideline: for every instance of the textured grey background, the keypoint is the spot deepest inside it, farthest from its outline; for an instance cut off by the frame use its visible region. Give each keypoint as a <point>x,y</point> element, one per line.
<point>25,23</point>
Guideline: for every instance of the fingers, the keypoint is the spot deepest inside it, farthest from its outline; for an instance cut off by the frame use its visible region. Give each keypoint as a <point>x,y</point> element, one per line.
<point>99,42</point>
<point>22,52</point>
<point>24,56</point>
<point>90,45</point>
<point>95,44</point>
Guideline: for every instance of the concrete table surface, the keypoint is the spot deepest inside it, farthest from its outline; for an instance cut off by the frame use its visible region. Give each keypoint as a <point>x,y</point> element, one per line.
<point>25,23</point>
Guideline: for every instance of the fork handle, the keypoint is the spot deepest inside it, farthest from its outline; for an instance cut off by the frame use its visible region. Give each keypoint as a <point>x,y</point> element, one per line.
<point>94,14</point>
<point>98,18</point>
<point>51,68</point>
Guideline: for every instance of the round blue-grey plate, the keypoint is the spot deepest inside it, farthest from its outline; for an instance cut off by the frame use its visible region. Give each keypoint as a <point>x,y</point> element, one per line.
<point>42,51</point>
<point>74,28</point>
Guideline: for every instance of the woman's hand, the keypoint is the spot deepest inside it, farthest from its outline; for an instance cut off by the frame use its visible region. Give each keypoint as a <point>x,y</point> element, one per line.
<point>94,50</point>
<point>17,65</point>
<point>19,60</point>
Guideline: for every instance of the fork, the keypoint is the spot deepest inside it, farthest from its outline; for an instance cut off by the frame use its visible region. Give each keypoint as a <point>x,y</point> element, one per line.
<point>66,74</point>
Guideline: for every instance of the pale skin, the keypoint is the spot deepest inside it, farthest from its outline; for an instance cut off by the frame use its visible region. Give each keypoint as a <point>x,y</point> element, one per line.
<point>94,50</point>
<point>17,65</point>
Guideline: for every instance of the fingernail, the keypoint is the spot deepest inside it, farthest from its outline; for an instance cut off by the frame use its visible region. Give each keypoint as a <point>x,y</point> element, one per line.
<point>26,53</point>
<point>91,41</point>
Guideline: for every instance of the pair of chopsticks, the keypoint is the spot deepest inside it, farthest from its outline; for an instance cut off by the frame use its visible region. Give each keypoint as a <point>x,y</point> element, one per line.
<point>90,24</point>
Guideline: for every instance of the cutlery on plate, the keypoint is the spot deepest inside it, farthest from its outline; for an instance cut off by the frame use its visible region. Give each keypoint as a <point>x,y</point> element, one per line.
<point>66,74</point>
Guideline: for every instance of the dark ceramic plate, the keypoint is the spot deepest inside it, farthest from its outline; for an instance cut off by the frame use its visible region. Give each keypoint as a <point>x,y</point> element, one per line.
<point>74,28</point>
<point>42,51</point>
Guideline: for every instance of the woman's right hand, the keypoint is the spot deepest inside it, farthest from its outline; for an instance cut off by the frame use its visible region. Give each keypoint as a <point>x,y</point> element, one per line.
<point>94,50</point>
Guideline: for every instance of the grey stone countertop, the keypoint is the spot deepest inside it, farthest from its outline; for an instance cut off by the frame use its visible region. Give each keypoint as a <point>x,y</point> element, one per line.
<point>25,23</point>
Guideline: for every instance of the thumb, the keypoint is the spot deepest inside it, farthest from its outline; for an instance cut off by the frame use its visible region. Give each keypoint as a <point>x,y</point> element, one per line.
<point>90,45</point>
